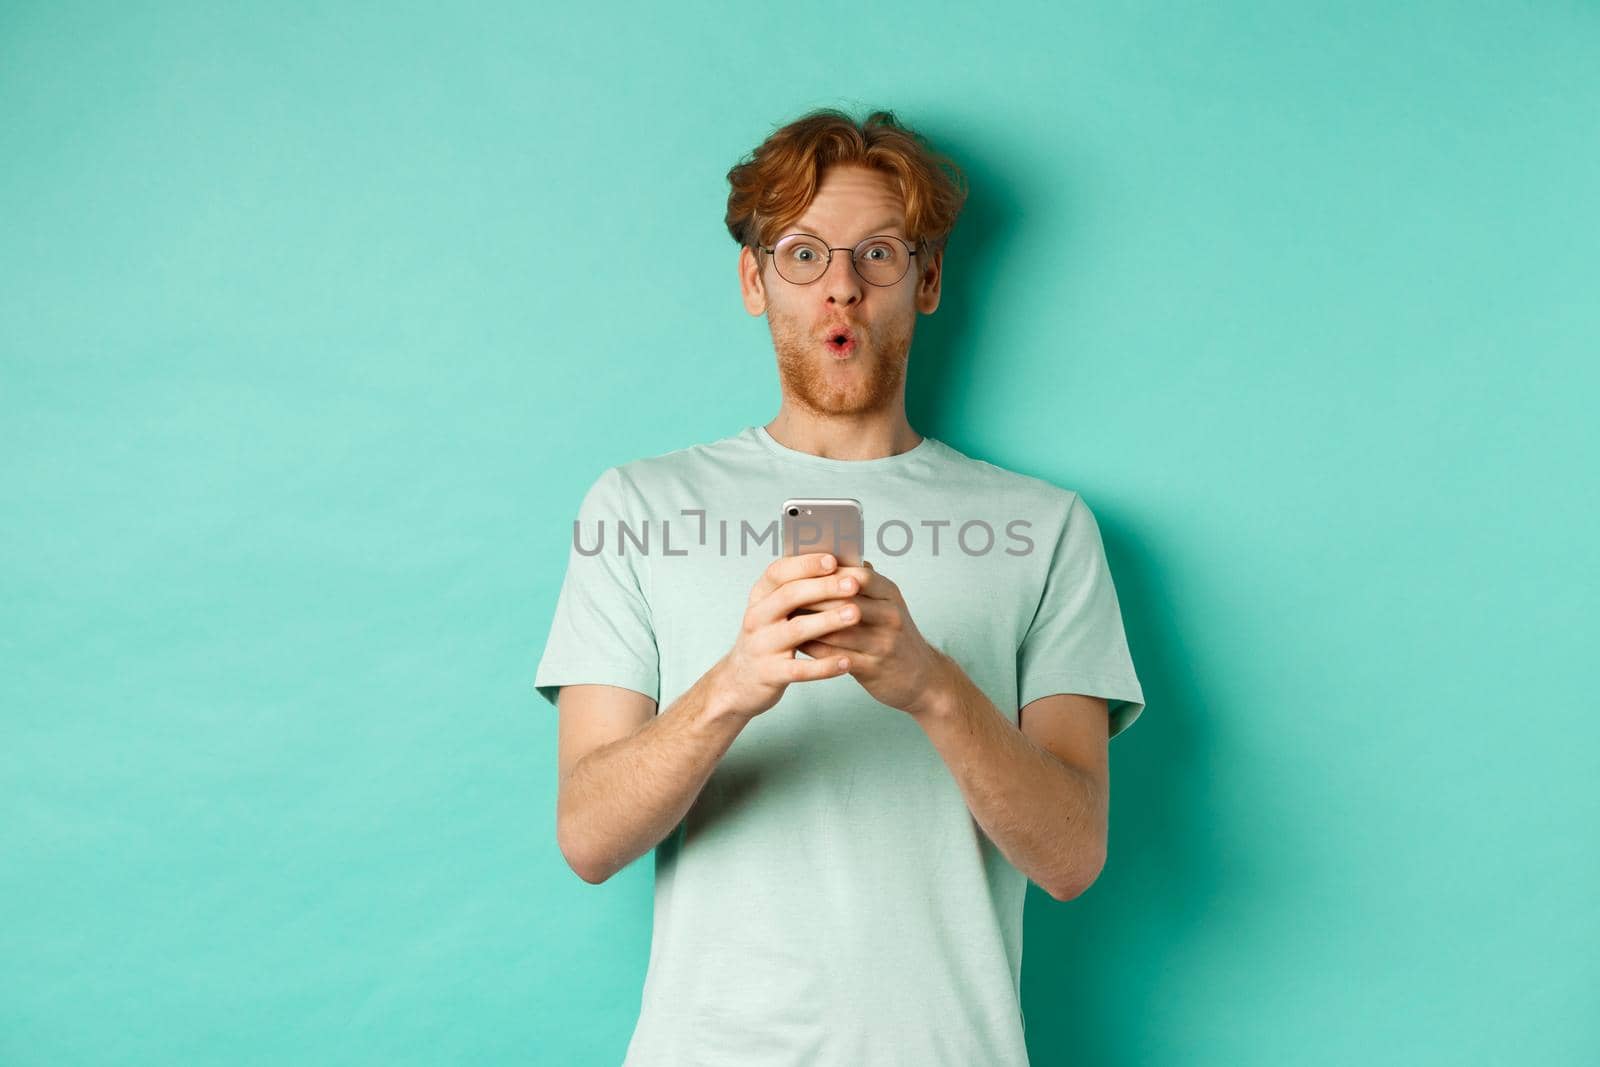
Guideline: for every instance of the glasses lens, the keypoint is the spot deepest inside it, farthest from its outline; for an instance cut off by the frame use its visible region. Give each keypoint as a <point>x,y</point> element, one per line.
<point>800,259</point>
<point>881,260</point>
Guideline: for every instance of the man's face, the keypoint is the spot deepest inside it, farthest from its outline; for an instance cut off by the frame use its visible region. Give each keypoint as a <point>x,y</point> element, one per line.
<point>869,375</point>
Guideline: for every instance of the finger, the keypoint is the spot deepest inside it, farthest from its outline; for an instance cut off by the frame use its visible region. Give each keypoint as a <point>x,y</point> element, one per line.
<point>825,650</point>
<point>805,670</point>
<point>850,640</point>
<point>782,602</point>
<point>788,568</point>
<point>872,611</point>
<point>801,628</point>
<point>873,584</point>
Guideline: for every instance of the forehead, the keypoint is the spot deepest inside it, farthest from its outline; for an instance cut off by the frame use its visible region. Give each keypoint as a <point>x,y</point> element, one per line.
<point>853,200</point>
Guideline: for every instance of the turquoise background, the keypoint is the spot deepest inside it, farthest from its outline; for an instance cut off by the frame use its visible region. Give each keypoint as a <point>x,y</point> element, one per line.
<point>316,321</point>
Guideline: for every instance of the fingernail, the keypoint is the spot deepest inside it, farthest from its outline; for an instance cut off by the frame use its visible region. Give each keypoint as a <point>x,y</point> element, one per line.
<point>827,563</point>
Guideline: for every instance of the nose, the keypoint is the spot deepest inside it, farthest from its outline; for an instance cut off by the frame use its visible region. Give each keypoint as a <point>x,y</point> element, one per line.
<point>841,282</point>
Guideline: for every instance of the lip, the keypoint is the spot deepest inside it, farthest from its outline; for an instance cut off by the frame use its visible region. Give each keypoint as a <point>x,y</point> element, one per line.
<point>844,350</point>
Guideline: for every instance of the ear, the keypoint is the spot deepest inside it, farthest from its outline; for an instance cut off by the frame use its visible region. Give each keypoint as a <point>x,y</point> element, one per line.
<point>751,286</point>
<point>929,277</point>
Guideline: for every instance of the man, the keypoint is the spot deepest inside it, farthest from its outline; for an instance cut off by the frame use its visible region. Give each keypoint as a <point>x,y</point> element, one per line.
<point>845,805</point>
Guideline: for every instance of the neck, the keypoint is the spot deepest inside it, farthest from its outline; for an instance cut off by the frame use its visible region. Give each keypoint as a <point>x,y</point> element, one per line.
<point>873,436</point>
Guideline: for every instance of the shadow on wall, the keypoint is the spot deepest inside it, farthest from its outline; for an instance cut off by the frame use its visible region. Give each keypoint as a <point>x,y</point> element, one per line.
<point>1090,964</point>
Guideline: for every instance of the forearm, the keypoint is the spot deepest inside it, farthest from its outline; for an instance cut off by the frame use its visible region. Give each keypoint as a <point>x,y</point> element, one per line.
<point>620,800</point>
<point>1046,817</point>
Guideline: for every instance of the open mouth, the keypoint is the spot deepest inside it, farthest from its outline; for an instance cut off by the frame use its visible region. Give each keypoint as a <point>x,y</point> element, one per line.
<point>840,342</point>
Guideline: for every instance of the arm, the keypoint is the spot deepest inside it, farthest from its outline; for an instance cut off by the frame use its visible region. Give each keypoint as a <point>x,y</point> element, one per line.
<point>618,799</point>
<point>1044,803</point>
<point>1040,798</point>
<point>624,786</point>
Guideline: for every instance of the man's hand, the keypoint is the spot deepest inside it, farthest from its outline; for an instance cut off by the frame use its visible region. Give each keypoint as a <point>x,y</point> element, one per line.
<point>755,672</point>
<point>888,654</point>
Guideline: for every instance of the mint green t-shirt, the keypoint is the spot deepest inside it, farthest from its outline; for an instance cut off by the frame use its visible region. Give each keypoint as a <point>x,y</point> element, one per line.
<point>828,898</point>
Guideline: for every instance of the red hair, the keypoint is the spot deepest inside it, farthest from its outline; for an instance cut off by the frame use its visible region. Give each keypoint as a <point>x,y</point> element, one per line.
<point>773,186</point>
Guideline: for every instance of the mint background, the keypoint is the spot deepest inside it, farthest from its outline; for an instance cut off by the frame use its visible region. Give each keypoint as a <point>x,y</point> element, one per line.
<point>316,321</point>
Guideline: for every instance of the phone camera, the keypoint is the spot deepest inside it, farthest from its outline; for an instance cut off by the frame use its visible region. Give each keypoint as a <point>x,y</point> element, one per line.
<point>794,511</point>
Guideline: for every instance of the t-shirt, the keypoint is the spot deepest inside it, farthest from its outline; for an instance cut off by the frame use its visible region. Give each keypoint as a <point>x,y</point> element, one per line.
<point>829,898</point>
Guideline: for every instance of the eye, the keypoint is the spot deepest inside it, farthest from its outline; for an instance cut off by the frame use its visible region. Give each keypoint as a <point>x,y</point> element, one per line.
<point>800,250</point>
<point>878,251</point>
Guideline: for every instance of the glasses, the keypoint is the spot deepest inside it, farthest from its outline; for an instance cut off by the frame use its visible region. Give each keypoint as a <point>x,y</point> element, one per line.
<point>802,258</point>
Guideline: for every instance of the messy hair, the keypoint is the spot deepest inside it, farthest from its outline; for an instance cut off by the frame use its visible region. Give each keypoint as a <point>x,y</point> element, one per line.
<point>773,185</point>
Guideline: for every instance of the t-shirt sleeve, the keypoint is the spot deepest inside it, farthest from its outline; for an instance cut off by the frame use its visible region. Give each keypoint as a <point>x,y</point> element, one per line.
<point>1076,642</point>
<point>602,632</point>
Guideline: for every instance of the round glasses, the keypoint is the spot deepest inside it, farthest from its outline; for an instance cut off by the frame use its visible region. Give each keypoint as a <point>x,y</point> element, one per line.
<point>802,258</point>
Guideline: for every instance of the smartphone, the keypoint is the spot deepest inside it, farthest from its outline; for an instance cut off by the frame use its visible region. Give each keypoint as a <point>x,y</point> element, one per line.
<point>824,524</point>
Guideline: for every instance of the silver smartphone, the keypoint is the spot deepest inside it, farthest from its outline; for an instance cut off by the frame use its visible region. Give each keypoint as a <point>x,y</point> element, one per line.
<point>824,524</point>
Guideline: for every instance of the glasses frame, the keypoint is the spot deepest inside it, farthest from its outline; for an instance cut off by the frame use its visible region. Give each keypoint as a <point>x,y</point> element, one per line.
<point>911,252</point>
